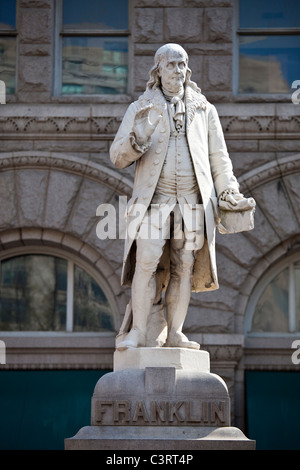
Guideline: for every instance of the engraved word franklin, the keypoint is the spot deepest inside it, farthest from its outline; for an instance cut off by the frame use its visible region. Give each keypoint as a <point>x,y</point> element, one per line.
<point>182,412</point>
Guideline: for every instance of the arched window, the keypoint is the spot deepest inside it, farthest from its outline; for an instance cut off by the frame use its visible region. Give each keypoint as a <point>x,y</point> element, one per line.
<point>274,307</point>
<point>43,292</point>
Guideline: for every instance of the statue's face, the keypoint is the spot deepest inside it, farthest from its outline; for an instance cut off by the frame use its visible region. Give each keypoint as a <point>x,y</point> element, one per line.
<point>172,71</point>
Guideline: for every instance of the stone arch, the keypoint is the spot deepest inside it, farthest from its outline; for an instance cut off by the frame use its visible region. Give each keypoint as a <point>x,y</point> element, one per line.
<point>275,187</point>
<point>51,199</point>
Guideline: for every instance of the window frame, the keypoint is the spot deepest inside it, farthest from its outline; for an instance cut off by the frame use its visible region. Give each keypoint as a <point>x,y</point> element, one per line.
<point>13,33</point>
<point>72,260</point>
<point>60,33</point>
<point>238,32</point>
<point>276,269</point>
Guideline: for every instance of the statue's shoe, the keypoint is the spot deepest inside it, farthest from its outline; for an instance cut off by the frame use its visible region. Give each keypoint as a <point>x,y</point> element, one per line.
<point>134,339</point>
<point>177,339</point>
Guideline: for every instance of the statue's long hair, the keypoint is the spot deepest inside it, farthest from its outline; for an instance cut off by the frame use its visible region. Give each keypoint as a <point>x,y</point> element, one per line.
<point>154,80</point>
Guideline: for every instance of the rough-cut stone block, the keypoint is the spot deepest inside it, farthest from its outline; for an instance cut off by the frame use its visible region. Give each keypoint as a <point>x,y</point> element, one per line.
<point>218,24</point>
<point>35,26</point>
<point>272,196</point>
<point>176,17</point>
<point>263,236</point>
<point>208,319</point>
<point>196,65</point>
<point>34,74</point>
<point>218,72</point>
<point>7,194</point>
<point>31,190</point>
<point>239,248</point>
<point>142,66</point>
<point>292,185</point>
<point>62,190</point>
<point>148,25</point>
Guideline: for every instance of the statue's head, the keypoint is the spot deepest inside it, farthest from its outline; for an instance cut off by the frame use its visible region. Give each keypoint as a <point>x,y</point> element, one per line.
<point>170,68</point>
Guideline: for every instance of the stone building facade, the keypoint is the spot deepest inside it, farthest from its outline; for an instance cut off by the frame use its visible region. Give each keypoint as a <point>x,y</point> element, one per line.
<point>55,171</point>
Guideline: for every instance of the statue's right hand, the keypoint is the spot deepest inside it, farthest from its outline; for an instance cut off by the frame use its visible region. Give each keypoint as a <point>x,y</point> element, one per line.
<point>143,127</point>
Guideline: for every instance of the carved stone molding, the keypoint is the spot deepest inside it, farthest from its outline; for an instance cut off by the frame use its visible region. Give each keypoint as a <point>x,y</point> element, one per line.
<point>105,127</point>
<point>68,163</point>
<point>261,126</point>
<point>59,127</point>
<point>270,171</point>
<point>225,354</point>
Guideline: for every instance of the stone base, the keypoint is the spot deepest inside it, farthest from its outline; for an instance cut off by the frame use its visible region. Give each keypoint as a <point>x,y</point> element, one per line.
<point>159,438</point>
<point>180,358</point>
<point>160,398</point>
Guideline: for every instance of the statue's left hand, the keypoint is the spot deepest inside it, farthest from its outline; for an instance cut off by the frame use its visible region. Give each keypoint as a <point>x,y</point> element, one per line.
<point>233,198</point>
<point>231,201</point>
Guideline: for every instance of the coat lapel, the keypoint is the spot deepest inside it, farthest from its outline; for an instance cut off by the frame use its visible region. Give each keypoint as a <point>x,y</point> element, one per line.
<point>193,100</point>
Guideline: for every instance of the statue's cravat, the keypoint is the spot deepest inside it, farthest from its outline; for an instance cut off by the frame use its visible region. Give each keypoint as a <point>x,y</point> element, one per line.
<point>177,108</point>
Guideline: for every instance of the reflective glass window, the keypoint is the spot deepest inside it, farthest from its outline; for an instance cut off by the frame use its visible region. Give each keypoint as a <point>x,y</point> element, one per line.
<point>40,293</point>
<point>92,311</point>
<point>94,65</point>
<point>94,47</point>
<point>277,301</point>
<point>7,14</point>
<point>8,44</point>
<point>95,14</point>
<point>8,62</point>
<point>33,293</point>
<point>272,309</point>
<point>269,14</point>
<point>268,64</point>
<point>268,40</point>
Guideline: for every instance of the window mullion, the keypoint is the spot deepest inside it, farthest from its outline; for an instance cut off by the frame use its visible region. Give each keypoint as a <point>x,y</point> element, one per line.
<point>95,32</point>
<point>70,296</point>
<point>268,31</point>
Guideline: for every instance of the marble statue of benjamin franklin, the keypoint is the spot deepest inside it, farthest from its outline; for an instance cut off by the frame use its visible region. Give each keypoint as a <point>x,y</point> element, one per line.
<point>174,136</point>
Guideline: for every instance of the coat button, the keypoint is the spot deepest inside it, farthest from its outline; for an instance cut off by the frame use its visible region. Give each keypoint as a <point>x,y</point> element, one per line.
<point>156,161</point>
<point>153,172</point>
<point>161,139</point>
<point>158,150</point>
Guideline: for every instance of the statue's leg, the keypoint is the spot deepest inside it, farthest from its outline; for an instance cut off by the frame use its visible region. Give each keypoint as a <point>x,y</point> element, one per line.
<point>143,290</point>
<point>178,294</point>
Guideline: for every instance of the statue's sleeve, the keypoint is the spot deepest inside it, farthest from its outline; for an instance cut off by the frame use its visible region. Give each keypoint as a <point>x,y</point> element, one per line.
<point>220,163</point>
<point>124,150</point>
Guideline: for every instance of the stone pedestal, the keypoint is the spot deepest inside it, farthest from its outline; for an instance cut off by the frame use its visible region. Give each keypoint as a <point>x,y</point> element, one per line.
<point>160,398</point>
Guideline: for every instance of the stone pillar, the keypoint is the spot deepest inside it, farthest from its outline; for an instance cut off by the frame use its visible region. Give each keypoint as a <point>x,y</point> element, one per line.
<point>160,398</point>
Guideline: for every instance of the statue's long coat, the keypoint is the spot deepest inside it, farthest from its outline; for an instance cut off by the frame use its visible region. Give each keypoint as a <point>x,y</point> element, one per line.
<point>213,169</point>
